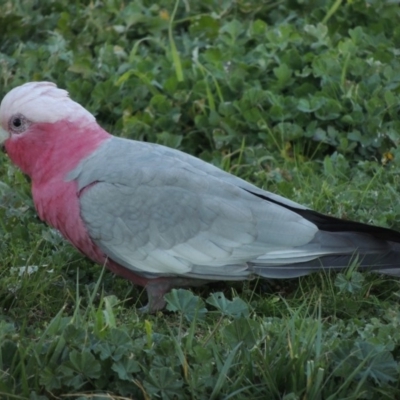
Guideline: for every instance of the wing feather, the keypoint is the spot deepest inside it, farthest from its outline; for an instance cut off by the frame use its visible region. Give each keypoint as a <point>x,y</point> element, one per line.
<point>160,212</point>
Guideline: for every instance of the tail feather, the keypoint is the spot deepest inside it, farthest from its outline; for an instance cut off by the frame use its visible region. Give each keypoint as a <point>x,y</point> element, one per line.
<point>332,224</point>
<point>337,244</point>
<point>387,263</point>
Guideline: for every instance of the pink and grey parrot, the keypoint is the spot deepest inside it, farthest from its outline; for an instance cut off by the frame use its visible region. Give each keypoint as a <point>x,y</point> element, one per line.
<point>162,218</point>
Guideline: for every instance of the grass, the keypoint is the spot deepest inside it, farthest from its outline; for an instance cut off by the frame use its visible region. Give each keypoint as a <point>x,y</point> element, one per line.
<point>67,329</point>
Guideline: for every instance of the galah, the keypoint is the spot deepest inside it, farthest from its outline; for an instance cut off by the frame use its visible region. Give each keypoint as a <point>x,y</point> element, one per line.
<point>162,218</point>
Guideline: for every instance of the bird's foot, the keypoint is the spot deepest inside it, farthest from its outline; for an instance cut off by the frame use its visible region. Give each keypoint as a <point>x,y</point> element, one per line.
<point>157,288</point>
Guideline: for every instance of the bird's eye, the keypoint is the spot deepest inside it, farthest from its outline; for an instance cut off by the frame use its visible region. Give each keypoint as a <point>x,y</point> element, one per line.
<point>18,123</point>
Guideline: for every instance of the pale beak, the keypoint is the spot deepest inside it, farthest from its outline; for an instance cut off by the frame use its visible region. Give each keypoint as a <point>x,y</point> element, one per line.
<point>4,135</point>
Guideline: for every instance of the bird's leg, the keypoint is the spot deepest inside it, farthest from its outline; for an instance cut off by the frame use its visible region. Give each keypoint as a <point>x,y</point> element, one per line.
<point>157,288</point>
<point>155,293</point>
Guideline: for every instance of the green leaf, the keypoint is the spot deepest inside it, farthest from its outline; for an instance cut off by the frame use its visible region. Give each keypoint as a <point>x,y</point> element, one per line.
<point>241,330</point>
<point>126,367</point>
<point>232,28</point>
<point>8,350</point>
<point>258,27</point>
<point>233,308</point>
<point>205,25</point>
<point>85,363</point>
<point>283,74</point>
<point>170,140</point>
<point>163,381</point>
<point>186,302</point>
<point>366,360</point>
<point>311,104</point>
<point>380,365</point>
<point>352,284</point>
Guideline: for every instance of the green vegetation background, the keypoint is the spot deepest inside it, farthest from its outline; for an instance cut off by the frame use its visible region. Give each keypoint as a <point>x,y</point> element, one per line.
<point>300,97</point>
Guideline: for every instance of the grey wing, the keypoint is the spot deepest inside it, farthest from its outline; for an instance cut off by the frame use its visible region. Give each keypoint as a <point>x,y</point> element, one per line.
<point>120,160</point>
<point>174,221</point>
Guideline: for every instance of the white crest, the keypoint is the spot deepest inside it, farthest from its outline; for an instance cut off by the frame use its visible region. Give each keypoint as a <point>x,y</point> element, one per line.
<point>41,102</point>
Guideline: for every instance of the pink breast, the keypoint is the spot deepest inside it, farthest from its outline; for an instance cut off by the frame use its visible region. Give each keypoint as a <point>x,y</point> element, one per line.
<point>58,204</point>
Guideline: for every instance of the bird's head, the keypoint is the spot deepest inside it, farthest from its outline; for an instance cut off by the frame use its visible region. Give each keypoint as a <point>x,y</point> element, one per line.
<point>37,103</point>
<point>40,126</point>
